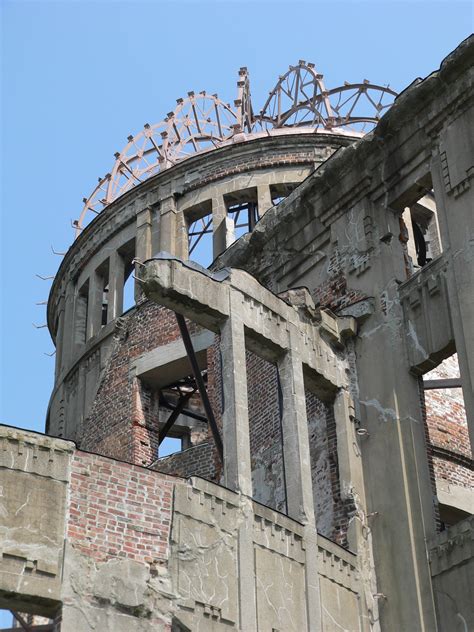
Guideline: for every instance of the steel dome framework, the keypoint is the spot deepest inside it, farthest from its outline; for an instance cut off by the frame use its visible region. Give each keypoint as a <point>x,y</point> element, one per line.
<point>201,122</point>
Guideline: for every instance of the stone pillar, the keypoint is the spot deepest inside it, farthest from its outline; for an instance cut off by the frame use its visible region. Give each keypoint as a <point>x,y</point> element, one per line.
<point>454,210</point>
<point>235,420</point>
<point>351,480</point>
<point>264,199</point>
<point>246,561</point>
<point>172,234</point>
<point>60,335</point>
<point>94,305</point>
<point>299,485</point>
<point>142,245</point>
<point>222,227</point>
<point>143,238</point>
<point>116,283</point>
<point>298,479</point>
<point>397,481</point>
<point>237,468</point>
<point>68,338</point>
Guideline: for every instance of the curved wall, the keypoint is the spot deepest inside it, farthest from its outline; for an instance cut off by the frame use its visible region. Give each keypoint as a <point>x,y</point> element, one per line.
<point>161,214</point>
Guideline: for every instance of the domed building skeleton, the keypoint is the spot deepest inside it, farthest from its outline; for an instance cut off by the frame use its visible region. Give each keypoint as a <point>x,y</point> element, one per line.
<point>202,122</point>
<point>313,331</point>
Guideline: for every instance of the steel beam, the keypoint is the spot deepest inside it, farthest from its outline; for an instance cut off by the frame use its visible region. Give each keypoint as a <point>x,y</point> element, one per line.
<point>183,400</point>
<point>200,383</point>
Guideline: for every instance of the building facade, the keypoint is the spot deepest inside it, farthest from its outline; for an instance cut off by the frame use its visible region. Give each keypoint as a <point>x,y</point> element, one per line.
<point>314,367</point>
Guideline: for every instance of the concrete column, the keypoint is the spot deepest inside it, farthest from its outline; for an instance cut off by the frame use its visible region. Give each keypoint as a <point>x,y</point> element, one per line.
<point>143,238</point>
<point>264,199</point>
<point>348,450</point>
<point>116,283</point>
<point>142,245</point>
<point>235,420</point>
<point>94,305</point>
<point>397,482</point>
<point>223,234</point>
<point>246,575</point>
<point>299,485</point>
<point>457,238</point>
<point>155,230</point>
<point>60,334</point>
<point>351,479</point>
<point>172,235</point>
<point>68,337</point>
<point>298,479</point>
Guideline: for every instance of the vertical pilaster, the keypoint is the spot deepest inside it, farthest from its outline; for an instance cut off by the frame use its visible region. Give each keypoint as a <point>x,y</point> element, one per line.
<point>94,305</point>
<point>264,199</point>
<point>68,338</point>
<point>457,237</point>
<point>143,238</point>
<point>59,337</point>
<point>298,479</point>
<point>142,245</point>
<point>396,476</point>
<point>116,283</point>
<point>223,234</point>
<point>237,468</point>
<point>299,486</point>
<point>235,420</point>
<point>172,234</point>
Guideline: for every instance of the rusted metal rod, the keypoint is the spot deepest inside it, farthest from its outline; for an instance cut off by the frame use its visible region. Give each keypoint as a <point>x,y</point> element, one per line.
<point>183,400</point>
<point>200,383</point>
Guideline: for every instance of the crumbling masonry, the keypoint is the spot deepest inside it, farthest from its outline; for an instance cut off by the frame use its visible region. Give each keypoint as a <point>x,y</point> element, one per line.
<point>318,374</point>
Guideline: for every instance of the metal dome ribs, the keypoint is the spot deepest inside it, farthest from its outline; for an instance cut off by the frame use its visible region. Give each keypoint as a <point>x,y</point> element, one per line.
<point>201,122</point>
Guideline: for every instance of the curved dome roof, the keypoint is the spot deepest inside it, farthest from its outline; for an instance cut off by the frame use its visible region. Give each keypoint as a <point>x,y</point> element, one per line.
<point>299,102</point>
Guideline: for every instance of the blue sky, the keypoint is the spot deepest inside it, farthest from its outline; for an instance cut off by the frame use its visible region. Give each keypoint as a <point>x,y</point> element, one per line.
<point>79,77</point>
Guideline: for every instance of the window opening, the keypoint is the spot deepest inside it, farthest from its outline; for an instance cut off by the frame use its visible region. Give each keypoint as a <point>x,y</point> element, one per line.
<point>81,310</point>
<point>105,304</point>
<point>200,241</point>
<point>244,216</point>
<point>423,239</point>
<point>170,445</point>
<point>449,451</point>
<point>278,192</point>
<point>128,289</point>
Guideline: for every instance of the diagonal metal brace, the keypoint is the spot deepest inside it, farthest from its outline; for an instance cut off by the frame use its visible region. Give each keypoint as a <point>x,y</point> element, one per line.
<point>24,625</point>
<point>200,383</point>
<point>183,400</point>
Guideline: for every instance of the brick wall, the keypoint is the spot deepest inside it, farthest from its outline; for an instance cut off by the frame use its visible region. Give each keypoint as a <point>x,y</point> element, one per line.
<point>123,422</point>
<point>198,460</point>
<point>118,510</point>
<point>335,293</point>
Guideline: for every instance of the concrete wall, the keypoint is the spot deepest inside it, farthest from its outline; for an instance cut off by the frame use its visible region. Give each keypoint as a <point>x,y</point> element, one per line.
<point>147,221</point>
<point>452,567</point>
<point>113,546</point>
<point>341,234</point>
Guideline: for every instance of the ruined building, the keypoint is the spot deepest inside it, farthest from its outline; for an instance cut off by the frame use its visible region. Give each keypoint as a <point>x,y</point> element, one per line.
<point>289,296</point>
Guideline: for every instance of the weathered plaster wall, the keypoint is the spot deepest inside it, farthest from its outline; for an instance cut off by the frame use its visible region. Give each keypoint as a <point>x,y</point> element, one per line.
<point>345,218</point>
<point>34,475</point>
<point>118,547</point>
<point>452,567</point>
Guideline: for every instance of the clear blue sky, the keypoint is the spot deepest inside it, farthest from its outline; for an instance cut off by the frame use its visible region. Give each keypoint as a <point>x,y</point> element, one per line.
<point>79,77</point>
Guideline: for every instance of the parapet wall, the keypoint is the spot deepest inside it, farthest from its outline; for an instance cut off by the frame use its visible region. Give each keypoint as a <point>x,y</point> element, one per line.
<point>114,546</point>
